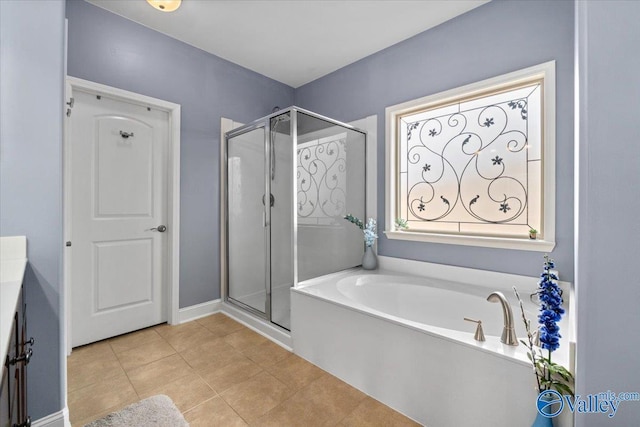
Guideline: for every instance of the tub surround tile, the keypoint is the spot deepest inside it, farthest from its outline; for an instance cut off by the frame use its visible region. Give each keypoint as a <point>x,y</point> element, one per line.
<point>186,392</point>
<point>155,374</point>
<point>213,413</point>
<point>145,354</point>
<point>295,372</point>
<point>256,396</point>
<point>371,413</point>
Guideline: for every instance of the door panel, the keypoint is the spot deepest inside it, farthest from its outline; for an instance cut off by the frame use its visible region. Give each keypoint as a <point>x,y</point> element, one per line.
<point>124,273</point>
<point>124,168</point>
<point>247,274</point>
<point>118,194</point>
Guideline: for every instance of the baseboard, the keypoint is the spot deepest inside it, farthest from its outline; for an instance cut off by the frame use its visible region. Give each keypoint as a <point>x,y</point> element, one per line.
<point>59,419</point>
<point>197,311</point>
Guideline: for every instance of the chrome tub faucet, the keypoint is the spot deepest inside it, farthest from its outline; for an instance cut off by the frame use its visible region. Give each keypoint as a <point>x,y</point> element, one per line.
<point>508,332</point>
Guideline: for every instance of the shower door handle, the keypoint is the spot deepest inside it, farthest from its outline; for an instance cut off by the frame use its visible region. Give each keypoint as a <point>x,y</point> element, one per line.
<point>272,199</point>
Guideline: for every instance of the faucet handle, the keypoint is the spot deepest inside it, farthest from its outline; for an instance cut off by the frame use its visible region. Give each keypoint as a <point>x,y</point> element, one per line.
<point>479,335</point>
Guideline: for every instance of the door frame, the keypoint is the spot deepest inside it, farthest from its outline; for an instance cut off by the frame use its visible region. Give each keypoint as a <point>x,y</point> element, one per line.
<point>172,281</point>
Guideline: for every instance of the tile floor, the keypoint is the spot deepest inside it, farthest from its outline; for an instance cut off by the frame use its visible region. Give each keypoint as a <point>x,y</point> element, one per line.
<point>218,373</point>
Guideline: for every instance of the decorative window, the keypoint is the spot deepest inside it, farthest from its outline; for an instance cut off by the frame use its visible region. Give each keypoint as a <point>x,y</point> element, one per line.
<point>475,165</point>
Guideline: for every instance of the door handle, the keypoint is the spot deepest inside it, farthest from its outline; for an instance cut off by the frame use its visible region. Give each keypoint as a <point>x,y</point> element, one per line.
<point>160,228</point>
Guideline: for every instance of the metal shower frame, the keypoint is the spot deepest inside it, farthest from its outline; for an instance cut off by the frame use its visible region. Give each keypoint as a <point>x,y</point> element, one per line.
<point>265,123</point>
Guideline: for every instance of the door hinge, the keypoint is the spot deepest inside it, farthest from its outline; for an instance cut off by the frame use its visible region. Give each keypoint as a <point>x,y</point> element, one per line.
<point>70,104</point>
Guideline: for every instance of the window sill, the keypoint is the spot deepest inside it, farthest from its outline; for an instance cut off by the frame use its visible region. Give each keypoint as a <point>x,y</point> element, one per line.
<point>481,241</point>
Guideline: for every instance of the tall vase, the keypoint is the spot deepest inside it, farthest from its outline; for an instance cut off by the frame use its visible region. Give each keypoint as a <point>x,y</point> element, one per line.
<point>369,259</point>
<point>542,421</point>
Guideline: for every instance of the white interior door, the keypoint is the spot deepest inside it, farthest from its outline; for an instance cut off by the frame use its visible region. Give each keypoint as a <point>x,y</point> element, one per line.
<point>118,212</point>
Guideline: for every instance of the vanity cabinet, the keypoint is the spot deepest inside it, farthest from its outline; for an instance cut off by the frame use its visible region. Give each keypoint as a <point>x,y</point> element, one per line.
<point>13,394</point>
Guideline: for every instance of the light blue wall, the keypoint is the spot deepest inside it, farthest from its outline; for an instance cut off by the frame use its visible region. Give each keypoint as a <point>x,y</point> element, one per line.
<point>31,101</point>
<point>493,39</point>
<point>608,284</point>
<point>108,49</point>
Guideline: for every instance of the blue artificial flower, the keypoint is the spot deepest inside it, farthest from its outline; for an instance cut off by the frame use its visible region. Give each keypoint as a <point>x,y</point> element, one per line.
<point>551,310</point>
<point>370,235</point>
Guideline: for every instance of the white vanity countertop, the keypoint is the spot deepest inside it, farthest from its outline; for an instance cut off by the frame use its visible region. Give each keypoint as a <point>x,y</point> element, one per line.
<point>13,261</point>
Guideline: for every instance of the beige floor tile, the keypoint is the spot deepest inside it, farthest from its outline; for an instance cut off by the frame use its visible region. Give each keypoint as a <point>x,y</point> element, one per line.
<point>214,353</point>
<point>221,378</point>
<point>145,354</point>
<point>244,339</point>
<point>214,413</point>
<point>295,372</point>
<point>256,396</point>
<point>371,413</point>
<point>190,338</point>
<point>91,352</point>
<point>83,422</point>
<point>186,392</point>
<point>134,339</point>
<point>165,330</point>
<point>97,398</point>
<point>155,374</point>
<point>267,353</point>
<point>324,402</point>
<point>83,374</point>
<point>220,324</point>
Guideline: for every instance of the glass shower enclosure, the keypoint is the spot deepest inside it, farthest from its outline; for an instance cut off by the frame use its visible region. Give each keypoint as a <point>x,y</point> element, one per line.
<point>291,178</point>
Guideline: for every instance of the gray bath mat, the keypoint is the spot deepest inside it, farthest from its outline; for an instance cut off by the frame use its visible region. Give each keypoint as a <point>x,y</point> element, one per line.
<point>156,411</point>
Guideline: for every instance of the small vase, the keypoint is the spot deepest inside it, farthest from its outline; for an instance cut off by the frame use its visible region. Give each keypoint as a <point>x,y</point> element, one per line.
<point>369,259</point>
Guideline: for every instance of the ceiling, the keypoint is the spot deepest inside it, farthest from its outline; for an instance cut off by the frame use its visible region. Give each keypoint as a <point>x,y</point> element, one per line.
<point>292,41</point>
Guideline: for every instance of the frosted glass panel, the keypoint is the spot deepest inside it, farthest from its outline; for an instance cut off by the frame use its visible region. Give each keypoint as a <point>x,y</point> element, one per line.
<point>330,183</point>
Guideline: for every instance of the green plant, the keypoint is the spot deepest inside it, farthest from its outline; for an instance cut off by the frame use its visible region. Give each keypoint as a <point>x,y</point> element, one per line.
<point>402,224</point>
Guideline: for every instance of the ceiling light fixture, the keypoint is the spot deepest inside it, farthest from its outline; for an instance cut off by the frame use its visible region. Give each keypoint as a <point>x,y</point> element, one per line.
<point>165,5</point>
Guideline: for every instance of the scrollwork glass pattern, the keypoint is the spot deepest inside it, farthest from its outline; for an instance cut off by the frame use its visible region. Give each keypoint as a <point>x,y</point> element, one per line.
<point>474,166</point>
<point>321,180</point>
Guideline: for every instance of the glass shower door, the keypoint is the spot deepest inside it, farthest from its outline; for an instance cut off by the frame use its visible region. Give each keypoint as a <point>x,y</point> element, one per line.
<point>247,239</point>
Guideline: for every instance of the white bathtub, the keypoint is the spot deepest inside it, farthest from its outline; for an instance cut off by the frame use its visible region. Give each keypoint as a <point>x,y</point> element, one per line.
<point>402,339</point>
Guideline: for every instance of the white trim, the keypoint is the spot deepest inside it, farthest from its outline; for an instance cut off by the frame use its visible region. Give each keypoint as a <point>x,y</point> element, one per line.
<point>58,419</point>
<point>483,241</point>
<point>545,70</point>
<point>370,126</point>
<point>187,314</point>
<point>173,194</point>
